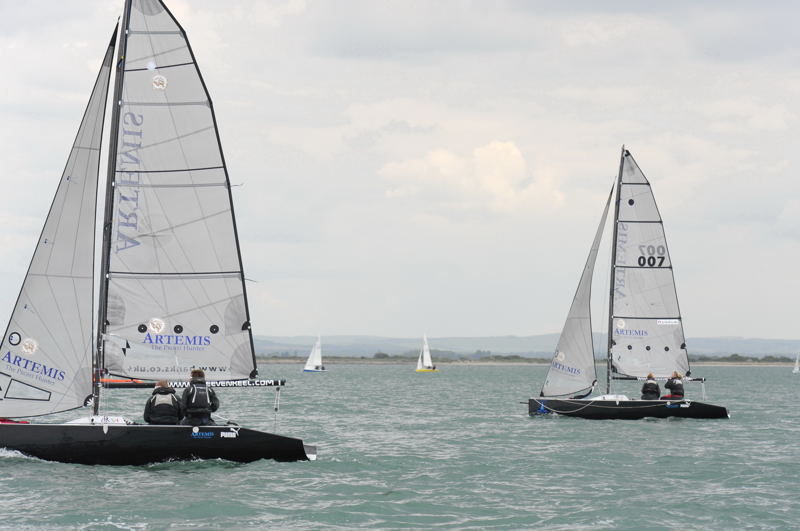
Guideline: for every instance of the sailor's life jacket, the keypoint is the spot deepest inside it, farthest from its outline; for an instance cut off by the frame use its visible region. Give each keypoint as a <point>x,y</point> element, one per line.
<point>163,407</point>
<point>650,390</point>
<point>675,385</point>
<point>199,400</point>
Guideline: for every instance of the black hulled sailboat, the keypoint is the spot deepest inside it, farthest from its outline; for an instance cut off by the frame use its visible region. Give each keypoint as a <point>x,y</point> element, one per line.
<point>172,289</point>
<point>645,329</point>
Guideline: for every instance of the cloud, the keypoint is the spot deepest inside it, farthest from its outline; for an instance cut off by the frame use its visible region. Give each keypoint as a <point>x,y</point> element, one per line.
<point>494,177</point>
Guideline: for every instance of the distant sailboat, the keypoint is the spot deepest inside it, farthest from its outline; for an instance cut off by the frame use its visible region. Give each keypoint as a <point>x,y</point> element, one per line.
<point>796,365</point>
<point>645,328</point>
<point>424,362</point>
<point>314,363</point>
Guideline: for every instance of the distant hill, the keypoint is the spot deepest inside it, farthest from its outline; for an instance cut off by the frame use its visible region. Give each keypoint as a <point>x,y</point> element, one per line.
<point>529,346</point>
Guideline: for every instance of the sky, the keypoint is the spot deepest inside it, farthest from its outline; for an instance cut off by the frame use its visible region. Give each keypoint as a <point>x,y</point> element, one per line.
<point>411,167</point>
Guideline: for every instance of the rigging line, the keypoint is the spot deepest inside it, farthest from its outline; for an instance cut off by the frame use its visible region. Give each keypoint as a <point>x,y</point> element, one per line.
<point>633,221</point>
<point>172,228</point>
<point>167,141</point>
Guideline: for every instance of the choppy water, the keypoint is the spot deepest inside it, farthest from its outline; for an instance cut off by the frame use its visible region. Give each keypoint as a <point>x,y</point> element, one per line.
<point>454,449</point>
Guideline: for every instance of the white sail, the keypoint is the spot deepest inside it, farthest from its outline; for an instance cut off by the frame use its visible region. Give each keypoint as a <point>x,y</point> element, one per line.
<point>573,369</point>
<point>424,361</point>
<point>46,360</point>
<point>796,365</point>
<point>314,362</point>
<point>645,322</point>
<point>176,298</point>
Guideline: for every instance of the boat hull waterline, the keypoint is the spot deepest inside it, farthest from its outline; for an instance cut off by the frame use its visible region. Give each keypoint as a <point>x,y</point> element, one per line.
<point>427,370</point>
<point>625,409</point>
<point>139,444</point>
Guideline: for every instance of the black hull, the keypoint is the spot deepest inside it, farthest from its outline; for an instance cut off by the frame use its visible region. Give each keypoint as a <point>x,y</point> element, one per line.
<point>120,444</point>
<point>626,409</point>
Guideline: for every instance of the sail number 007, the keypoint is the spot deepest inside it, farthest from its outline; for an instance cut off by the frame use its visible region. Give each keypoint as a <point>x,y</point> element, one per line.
<point>652,255</point>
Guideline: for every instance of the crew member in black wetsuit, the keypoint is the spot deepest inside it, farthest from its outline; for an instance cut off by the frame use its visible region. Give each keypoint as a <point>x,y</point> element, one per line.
<point>199,401</point>
<point>163,407</point>
<point>675,386</point>
<point>650,389</point>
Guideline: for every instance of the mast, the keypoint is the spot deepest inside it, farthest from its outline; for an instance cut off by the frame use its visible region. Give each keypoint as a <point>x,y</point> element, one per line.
<point>105,257</point>
<point>613,274</point>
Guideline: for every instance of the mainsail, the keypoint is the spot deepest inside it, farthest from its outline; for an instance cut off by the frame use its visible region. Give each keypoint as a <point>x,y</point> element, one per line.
<point>47,348</point>
<point>645,328</point>
<point>315,357</point>
<point>174,297</point>
<point>573,369</point>
<point>424,361</point>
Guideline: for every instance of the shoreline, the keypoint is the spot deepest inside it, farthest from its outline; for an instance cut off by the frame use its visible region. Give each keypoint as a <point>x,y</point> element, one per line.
<point>535,362</point>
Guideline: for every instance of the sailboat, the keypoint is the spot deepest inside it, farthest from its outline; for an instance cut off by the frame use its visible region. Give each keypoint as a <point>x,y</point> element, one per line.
<point>645,328</point>
<point>424,362</point>
<point>172,293</point>
<point>796,369</point>
<point>314,362</point>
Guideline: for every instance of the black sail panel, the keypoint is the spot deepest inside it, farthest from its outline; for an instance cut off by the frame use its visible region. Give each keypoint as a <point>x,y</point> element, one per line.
<point>176,296</point>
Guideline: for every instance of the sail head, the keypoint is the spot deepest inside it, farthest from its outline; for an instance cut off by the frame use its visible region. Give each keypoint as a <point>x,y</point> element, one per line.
<point>176,296</point>
<point>46,352</point>
<point>646,327</point>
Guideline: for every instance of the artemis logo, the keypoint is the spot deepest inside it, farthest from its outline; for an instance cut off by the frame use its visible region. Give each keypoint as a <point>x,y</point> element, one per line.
<point>170,339</point>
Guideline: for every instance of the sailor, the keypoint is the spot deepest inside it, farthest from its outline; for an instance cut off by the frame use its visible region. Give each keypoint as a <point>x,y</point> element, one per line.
<point>674,385</point>
<point>650,389</point>
<point>163,407</point>
<point>199,401</point>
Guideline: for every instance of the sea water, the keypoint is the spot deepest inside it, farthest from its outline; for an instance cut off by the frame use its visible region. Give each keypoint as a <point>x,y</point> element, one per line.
<point>454,449</point>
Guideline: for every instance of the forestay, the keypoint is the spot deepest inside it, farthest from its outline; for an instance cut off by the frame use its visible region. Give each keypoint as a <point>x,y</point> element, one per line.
<point>647,333</point>
<point>176,295</point>
<point>573,369</point>
<point>47,348</point>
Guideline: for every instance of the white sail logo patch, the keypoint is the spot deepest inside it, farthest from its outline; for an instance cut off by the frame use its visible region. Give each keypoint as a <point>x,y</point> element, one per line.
<point>156,325</point>
<point>560,357</point>
<point>159,82</point>
<point>29,346</point>
<point>620,324</point>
